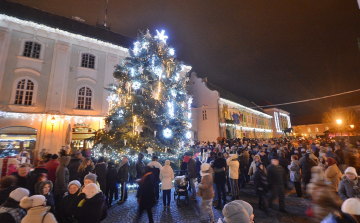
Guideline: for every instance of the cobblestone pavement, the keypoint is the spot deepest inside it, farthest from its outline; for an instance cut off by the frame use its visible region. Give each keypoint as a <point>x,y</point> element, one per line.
<point>190,212</point>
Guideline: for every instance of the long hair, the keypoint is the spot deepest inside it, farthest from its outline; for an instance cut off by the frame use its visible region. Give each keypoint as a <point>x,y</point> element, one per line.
<point>83,165</point>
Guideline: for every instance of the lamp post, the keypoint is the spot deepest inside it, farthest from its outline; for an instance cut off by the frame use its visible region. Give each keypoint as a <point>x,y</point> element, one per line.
<point>339,121</point>
<point>52,123</point>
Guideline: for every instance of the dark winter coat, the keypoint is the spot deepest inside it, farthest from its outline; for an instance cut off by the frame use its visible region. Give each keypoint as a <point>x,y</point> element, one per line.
<point>191,169</point>
<point>65,216</point>
<point>111,178</point>
<point>39,187</point>
<point>101,171</point>
<point>275,175</point>
<point>284,163</point>
<point>333,155</point>
<point>306,164</point>
<point>260,182</point>
<point>244,159</point>
<point>11,204</point>
<point>73,168</point>
<point>265,160</point>
<point>62,175</point>
<point>82,175</point>
<point>347,189</point>
<point>146,191</point>
<point>340,153</point>
<point>51,166</point>
<point>123,172</point>
<point>88,210</point>
<point>140,169</point>
<point>38,171</point>
<point>219,169</point>
<point>26,182</point>
<point>4,194</point>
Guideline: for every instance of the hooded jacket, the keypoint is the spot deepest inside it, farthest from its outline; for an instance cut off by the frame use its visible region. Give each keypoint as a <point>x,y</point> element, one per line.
<point>206,186</point>
<point>123,172</point>
<point>333,175</point>
<point>36,214</point>
<point>88,210</point>
<point>39,189</point>
<point>348,189</point>
<point>62,175</point>
<point>233,164</point>
<point>295,171</point>
<point>166,176</point>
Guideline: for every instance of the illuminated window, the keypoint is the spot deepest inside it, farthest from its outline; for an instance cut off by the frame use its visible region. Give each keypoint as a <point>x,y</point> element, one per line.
<point>88,60</point>
<point>84,98</point>
<point>316,129</point>
<point>24,92</point>
<point>326,128</point>
<point>308,129</point>
<point>32,49</point>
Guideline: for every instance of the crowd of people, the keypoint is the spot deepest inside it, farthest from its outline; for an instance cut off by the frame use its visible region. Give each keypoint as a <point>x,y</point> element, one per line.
<point>78,188</point>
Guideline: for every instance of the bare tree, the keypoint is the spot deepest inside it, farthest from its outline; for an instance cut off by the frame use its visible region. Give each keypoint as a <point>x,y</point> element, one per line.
<point>348,117</point>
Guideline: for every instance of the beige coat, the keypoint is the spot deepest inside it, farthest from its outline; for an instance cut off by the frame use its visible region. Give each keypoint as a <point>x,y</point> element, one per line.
<point>333,176</point>
<point>207,190</point>
<point>36,214</point>
<point>233,164</point>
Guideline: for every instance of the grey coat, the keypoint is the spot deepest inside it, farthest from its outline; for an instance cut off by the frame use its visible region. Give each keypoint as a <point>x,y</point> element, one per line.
<point>62,175</point>
<point>295,171</point>
<point>347,189</point>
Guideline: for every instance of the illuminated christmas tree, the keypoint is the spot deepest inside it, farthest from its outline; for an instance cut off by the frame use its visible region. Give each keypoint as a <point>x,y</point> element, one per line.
<point>149,108</point>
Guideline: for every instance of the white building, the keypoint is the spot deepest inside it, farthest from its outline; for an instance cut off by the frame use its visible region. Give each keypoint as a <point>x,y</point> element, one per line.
<point>52,76</point>
<point>280,120</point>
<point>218,113</point>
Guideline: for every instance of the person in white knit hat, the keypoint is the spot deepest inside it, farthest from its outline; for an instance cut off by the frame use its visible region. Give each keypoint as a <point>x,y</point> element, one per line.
<point>234,212</point>
<point>74,189</point>
<point>349,186</point>
<point>351,206</point>
<point>10,211</point>
<point>36,210</point>
<point>89,206</point>
<point>206,192</point>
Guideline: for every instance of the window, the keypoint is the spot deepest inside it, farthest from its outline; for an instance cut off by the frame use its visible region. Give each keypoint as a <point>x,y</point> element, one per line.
<point>308,129</point>
<point>316,129</point>
<point>88,60</point>
<point>84,98</point>
<point>24,92</point>
<point>326,128</point>
<point>204,115</point>
<point>32,49</point>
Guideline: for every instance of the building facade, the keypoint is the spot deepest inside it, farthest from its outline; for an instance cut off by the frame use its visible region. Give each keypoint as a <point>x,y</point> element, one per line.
<point>280,120</point>
<point>53,80</point>
<point>218,113</point>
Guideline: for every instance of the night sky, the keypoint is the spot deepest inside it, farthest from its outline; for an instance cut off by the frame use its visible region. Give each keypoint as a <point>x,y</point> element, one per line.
<point>278,51</point>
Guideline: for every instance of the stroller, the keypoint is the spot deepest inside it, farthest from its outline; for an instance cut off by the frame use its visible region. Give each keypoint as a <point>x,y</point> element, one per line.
<point>181,185</point>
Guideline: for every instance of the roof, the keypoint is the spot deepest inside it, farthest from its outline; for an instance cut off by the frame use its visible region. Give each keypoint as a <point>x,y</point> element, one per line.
<point>55,21</point>
<point>231,97</point>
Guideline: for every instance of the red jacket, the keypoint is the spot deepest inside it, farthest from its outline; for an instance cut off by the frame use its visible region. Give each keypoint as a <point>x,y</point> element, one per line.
<point>51,166</point>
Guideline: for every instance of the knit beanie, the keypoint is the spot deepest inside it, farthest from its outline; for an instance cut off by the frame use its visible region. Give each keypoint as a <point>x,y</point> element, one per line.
<point>76,183</point>
<point>234,212</point>
<point>204,169</point>
<point>90,190</point>
<point>19,194</point>
<point>351,206</point>
<point>91,177</point>
<point>351,170</point>
<point>331,161</point>
<point>249,209</point>
<point>33,201</point>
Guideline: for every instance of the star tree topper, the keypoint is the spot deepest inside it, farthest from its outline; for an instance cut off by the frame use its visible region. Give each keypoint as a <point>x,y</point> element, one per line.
<point>161,36</point>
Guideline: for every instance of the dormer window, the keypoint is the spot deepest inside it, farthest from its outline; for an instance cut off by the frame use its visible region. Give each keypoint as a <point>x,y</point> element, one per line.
<point>32,49</point>
<point>88,60</point>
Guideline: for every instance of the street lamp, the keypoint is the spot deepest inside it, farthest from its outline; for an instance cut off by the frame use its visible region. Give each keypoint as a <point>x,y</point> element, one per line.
<point>339,121</point>
<point>352,126</point>
<point>52,121</point>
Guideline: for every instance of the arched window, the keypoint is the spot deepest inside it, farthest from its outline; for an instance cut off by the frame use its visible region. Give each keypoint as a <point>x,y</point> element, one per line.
<point>84,98</point>
<point>88,60</point>
<point>24,92</point>
<point>32,49</point>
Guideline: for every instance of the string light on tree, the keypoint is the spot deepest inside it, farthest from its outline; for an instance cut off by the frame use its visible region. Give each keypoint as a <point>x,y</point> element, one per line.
<point>167,133</point>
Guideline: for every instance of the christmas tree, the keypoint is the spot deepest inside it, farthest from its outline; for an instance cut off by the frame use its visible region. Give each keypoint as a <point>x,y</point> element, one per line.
<point>149,108</point>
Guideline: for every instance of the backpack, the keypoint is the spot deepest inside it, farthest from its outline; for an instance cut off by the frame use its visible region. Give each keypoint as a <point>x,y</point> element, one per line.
<point>156,172</point>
